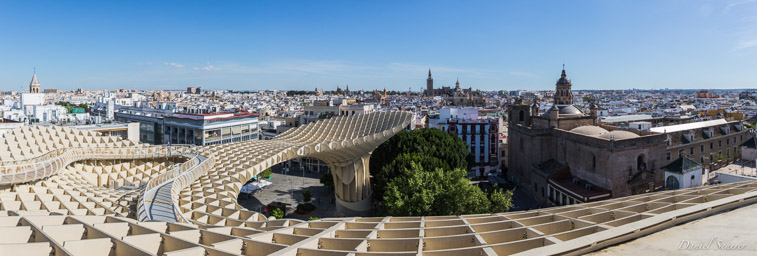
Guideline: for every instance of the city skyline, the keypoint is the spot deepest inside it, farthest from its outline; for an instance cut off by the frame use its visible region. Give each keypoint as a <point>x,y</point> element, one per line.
<point>302,46</point>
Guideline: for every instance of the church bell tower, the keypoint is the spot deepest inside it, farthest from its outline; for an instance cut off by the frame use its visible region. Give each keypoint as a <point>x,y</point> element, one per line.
<point>34,85</point>
<point>563,92</point>
<point>429,85</point>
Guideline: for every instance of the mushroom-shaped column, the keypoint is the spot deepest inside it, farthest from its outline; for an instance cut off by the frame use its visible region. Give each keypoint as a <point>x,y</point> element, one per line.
<point>352,186</point>
<point>346,144</point>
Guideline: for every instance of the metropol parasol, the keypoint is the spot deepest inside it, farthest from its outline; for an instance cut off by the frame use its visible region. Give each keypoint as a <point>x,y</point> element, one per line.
<point>65,191</point>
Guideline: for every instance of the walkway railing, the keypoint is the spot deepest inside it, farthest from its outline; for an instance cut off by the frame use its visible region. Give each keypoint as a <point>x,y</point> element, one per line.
<point>26,170</point>
<point>178,177</point>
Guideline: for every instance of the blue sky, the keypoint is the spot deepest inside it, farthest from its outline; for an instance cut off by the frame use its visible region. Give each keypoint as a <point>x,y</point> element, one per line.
<point>488,45</point>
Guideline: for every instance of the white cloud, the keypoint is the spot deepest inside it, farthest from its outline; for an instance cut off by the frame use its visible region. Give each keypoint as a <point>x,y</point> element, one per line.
<point>209,67</point>
<point>734,4</point>
<point>746,44</point>
<point>173,64</point>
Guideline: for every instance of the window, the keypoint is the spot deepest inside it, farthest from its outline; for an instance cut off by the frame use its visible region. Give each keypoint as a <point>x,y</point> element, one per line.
<point>691,151</point>
<point>521,116</point>
<point>710,145</point>
<point>692,176</point>
<point>701,149</point>
<point>728,141</point>
<point>641,163</point>
<point>720,143</point>
<point>668,155</point>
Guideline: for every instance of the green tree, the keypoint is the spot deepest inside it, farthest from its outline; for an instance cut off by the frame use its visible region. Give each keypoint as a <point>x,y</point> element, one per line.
<point>438,192</point>
<point>307,195</point>
<point>313,218</point>
<point>266,173</point>
<point>720,157</point>
<point>277,213</point>
<point>413,194</point>
<point>432,142</point>
<point>501,200</point>
<point>327,180</point>
<point>400,166</point>
<point>431,148</point>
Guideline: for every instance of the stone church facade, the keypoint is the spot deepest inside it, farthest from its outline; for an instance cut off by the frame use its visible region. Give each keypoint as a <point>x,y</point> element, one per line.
<point>565,156</point>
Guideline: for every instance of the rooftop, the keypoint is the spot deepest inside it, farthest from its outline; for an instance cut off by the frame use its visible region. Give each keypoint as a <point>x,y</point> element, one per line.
<point>567,181</point>
<point>688,126</point>
<point>682,165</point>
<point>733,230</point>
<point>626,118</point>
<point>211,116</point>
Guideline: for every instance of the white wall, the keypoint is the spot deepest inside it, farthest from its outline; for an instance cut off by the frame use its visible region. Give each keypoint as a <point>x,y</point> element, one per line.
<point>132,132</point>
<point>685,180</point>
<point>748,154</point>
<point>28,99</point>
<point>460,113</point>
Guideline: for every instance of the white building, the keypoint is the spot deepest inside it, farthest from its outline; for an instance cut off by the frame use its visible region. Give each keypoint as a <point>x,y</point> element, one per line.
<point>643,126</point>
<point>355,109</point>
<point>682,173</point>
<point>481,134</point>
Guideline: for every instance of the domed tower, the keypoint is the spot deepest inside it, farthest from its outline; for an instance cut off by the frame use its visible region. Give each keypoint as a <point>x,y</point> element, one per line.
<point>563,92</point>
